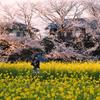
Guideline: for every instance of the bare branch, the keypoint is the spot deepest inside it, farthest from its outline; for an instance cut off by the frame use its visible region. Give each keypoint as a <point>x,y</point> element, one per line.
<point>8,12</point>
<point>59,10</point>
<point>93,7</point>
<point>26,14</point>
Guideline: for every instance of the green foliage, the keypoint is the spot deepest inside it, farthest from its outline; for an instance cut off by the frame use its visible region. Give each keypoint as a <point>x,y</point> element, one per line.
<point>48,44</point>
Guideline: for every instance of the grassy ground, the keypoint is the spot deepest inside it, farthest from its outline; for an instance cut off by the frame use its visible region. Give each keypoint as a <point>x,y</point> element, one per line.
<point>56,81</point>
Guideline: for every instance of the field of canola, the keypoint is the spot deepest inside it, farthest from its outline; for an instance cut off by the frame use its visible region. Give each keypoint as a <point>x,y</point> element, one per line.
<point>56,81</point>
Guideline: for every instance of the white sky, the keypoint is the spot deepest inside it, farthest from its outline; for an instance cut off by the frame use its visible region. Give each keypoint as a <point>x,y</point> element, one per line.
<point>14,1</point>
<point>8,1</point>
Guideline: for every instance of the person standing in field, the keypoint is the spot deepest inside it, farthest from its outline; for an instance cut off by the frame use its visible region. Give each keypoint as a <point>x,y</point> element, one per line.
<point>35,62</point>
<point>36,59</point>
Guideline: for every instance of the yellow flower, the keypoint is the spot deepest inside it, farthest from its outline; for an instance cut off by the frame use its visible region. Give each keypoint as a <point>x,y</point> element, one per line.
<point>17,98</point>
<point>98,98</point>
<point>48,95</point>
<point>53,94</point>
<point>8,98</point>
<point>61,89</point>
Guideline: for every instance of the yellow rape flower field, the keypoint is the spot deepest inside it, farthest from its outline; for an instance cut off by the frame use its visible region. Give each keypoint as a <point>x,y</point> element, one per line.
<point>56,81</point>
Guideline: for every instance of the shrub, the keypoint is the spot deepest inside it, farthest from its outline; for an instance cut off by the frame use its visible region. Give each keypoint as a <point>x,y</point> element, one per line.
<point>48,44</point>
